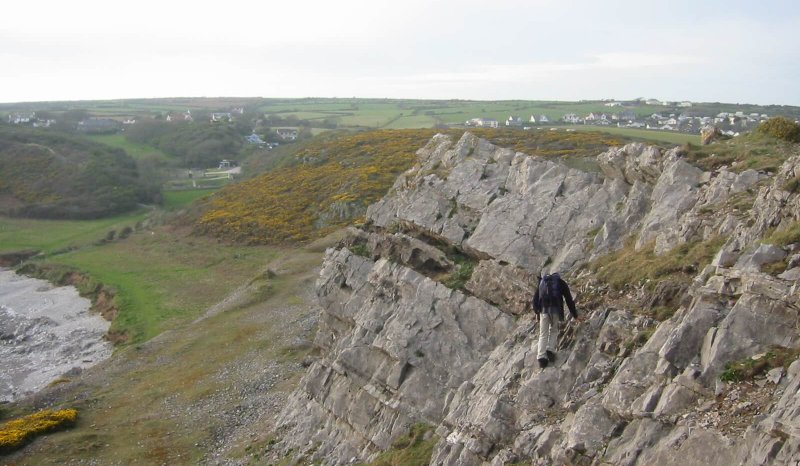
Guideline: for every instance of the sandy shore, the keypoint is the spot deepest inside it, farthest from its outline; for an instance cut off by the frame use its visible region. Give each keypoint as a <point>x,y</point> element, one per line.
<point>45,332</point>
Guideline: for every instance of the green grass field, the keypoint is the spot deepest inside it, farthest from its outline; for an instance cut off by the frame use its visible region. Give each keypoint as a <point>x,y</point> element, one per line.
<point>135,150</point>
<point>165,278</point>
<point>177,199</point>
<point>53,235</point>
<point>669,137</point>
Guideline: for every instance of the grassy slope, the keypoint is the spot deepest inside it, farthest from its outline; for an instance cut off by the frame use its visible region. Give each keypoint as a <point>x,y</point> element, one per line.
<point>180,397</point>
<point>669,137</point>
<point>133,149</point>
<point>162,277</point>
<point>53,235</point>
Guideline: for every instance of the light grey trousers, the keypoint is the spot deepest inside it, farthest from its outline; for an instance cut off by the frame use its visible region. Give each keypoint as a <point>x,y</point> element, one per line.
<point>548,334</point>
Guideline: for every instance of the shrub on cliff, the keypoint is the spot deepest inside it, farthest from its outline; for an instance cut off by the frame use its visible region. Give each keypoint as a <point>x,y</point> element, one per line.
<point>780,128</point>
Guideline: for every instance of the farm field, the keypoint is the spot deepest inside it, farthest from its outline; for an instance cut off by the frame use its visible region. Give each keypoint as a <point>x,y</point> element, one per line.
<point>135,150</point>
<point>669,137</point>
<point>376,113</point>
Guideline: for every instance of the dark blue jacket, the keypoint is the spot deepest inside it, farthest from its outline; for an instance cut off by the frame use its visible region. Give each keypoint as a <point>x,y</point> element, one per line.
<point>565,295</point>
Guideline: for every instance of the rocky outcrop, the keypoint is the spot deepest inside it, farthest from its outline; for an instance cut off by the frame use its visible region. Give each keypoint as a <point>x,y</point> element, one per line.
<point>398,347</point>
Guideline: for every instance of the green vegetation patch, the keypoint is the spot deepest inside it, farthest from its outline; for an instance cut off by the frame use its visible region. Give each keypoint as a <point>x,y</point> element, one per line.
<point>545,143</point>
<point>458,278</point>
<point>780,128</point>
<point>784,236</point>
<point>162,279</point>
<point>53,236</point>
<point>628,266</point>
<point>749,368</point>
<point>17,432</point>
<point>663,277</point>
<point>193,144</point>
<point>333,183</point>
<point>413,449</point>
<point>53,175</point>
<point>754,150</point>
<point>177,199</point>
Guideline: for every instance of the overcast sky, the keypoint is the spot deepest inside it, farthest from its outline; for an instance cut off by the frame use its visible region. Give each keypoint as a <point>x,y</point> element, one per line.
<point>711,50</point>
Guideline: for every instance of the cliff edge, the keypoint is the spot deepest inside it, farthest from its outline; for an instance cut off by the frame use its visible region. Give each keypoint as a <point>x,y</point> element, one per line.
<point>424,315</point>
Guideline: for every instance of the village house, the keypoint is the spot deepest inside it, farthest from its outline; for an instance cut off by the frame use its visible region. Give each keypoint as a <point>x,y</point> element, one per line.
<point>572,118</point>
<point>483,122</point>
<point>514,121</point>
<point>221,117</point>
<point>287,134</point>
<point>255,139</point>
<point>20,119</point>
<point>175,117</point>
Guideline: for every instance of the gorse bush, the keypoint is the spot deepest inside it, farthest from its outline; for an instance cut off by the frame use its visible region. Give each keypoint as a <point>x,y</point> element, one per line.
<point>333,184</point>
<point>17,432</point>
<point>780,128</point>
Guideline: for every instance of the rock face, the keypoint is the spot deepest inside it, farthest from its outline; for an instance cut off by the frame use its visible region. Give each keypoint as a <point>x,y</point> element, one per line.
<point>398,347</point>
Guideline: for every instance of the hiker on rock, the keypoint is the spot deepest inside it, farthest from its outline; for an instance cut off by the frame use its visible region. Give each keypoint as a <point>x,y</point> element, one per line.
<point>548,303</point>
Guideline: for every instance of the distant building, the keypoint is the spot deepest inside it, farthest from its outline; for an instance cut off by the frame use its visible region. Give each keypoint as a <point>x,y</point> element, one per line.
<point>571,118</point>
<point>175,117</point>
<point>483,122</point>
<point>685,103</point>
<point>627,115</point>
<point>543,119</point>
<point>255,139</point>
<point>21,119</point>
<point>287,134</point>
<point>217,117</point>
<point>514,121</point>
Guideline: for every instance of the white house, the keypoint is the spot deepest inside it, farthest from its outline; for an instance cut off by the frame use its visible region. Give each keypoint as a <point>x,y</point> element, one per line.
<point>571,118</point>
<point>287,134</point>
<point>543,119</point>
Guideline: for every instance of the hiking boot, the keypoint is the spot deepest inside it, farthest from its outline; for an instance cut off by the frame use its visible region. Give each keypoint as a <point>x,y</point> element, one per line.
<point>551,356</point>
<point>543,363</point>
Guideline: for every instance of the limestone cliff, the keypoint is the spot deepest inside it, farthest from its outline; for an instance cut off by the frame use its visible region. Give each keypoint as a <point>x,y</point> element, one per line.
<point>407,335</point>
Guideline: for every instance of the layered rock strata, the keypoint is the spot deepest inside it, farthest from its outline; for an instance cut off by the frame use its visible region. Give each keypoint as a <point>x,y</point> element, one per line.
<point>398,347</point>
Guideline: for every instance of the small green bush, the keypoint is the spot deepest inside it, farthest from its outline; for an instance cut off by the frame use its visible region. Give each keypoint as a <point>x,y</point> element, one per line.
<point>780,128</point>
<point>784,236</point>
<point>459,277</point>
<point>737,371</point>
